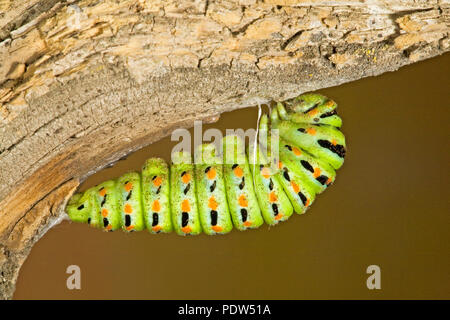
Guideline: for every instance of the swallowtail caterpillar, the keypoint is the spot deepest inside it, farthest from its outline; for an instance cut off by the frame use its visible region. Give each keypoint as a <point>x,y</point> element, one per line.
<point>213,196</point>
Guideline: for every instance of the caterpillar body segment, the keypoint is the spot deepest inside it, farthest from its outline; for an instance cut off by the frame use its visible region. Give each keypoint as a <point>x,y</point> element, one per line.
<point>129,190</point>
<point>322,141</point>
<point>106,195</point>
<point>213,209</point>
<point>300,193</point>
<point>156,196</point>
<point>273,201</point>
<point>300,148</point>
<point>94,219</point>
<point>242,201</point>
<point>317,173</point>
<point>310,108</point>
<point>183,200</point>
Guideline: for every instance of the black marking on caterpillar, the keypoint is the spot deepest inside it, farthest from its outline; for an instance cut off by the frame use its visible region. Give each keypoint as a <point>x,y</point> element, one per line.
<point>129,195</point>
<point>244,214</point>
<point>213,186</point>
<point>103,201</point>
<point>303,198</point>
<point>184,219</point>
<point>155,219</point>
<point>186,190</point>
<point>312,108</point>
<point>275,208</point>
<point>328,114</point>
<point>286,175</point>
<point>242,184</point>
<point>338,149</point>
<point>307,165</point>
<point>213,217</point>
<point>322,179</point>
<point>127,220</point>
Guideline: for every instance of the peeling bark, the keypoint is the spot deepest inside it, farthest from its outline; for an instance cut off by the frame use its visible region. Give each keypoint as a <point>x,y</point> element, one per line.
<point>83,83</point>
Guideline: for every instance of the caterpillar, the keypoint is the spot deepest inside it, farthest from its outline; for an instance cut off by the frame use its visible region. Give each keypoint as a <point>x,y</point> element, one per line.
<point>213,195</point>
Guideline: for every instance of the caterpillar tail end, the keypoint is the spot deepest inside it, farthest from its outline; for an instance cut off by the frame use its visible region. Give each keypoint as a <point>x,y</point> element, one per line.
<point>306,101</point>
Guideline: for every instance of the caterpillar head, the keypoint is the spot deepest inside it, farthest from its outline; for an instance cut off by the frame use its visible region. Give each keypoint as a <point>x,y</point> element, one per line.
<point>79,208</point>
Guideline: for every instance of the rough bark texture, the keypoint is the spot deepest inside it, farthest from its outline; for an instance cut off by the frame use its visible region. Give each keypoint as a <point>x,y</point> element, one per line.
<point>82,83</point>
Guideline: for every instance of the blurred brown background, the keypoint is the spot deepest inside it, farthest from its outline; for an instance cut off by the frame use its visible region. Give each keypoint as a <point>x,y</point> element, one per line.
<point>388,207</point>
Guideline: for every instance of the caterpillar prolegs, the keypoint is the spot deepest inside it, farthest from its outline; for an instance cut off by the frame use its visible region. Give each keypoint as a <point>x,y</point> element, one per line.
<point>213,195</point>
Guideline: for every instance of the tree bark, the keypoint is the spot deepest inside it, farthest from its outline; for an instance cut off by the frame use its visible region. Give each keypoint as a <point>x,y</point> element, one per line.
<point>83,83</point>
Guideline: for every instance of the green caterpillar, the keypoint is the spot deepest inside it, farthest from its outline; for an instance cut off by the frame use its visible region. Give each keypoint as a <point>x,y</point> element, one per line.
<point>213,195</point>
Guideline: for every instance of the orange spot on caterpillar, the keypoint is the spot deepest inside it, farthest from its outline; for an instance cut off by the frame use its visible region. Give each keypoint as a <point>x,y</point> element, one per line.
<point>295,187</point>
<point>157,181</point>
<point>329,103</point>
<point>185,206</point>
<point>129,228</point>
<point>280,164</point>
<point>316,172</point>
<point>128,208</point>
<point>156,228</point>
<point>247,223</point>
<point>102,192</point>
<point>238,172</point>
<point>243,200</point>
<point>186,229</point>
<point>272,197</point>
<point>104,213</point>
<point>108,227</point>
<point>311,131</point>
<point>186,178</point>
<point>278,216</point>
<point>334,142</point>
<point>329,181</point>
<point>212,203</point>
<point>307,203</point>
<point>128,186</point>
<point>217,228</point>
<point>211,173</point>
<point>296,151</point>
<point>265,172</point>
<point>313,112</point>
<point>156,206</point>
